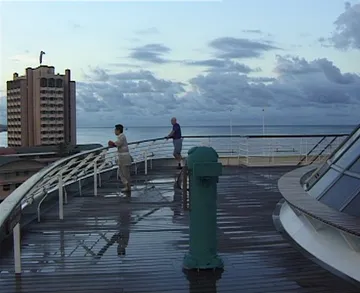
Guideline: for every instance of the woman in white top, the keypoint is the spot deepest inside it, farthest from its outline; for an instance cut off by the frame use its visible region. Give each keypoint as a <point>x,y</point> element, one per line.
<point>124,158</point>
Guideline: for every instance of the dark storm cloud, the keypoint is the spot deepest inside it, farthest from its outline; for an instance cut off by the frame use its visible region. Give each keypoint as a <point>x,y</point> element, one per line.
<point>152,53</point>
<point>229,47</point>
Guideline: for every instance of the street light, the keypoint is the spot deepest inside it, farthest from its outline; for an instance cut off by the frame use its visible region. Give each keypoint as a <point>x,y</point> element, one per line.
<point>263,111</point>
<point>231,131</point>
<point>263,129</point>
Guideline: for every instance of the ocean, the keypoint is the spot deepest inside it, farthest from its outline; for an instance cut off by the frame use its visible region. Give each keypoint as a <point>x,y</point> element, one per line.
<point>104,134</point>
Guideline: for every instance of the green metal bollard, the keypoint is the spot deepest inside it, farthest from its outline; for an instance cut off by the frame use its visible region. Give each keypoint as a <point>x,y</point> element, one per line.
<point>204,172</point>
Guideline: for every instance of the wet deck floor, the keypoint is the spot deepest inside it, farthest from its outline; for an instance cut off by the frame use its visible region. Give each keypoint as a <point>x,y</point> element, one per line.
<point>116,244</point>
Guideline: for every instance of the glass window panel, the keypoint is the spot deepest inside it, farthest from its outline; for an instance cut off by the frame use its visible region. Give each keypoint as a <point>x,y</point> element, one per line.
<point>353,208</point>
<point>341,192</point>
<point>346,145</point>
<point>356,167</point>
<point>329,177</point>
<point>350,155</point>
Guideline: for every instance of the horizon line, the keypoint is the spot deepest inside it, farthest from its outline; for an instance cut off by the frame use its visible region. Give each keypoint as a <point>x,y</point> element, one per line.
<point>235,125</point>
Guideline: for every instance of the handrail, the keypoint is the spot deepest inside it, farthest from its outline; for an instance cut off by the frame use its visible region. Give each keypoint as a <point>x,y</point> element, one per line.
<point>266,135</point>
<point>9,204</point>
<point>13,201</point>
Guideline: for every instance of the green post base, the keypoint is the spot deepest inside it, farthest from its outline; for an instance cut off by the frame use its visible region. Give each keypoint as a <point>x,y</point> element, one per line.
<point>191,263</point>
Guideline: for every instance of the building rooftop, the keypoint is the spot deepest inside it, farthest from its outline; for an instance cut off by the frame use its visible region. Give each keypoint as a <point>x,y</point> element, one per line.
<point>114,243</point>
<point>45,149</point>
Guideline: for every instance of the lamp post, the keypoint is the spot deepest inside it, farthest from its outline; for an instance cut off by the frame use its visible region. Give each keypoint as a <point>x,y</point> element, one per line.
<point>263,129</point>
<point>263,121</point>
<point>231,131</point>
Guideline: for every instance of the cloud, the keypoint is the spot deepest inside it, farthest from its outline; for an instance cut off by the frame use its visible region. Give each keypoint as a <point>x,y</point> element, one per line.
<point>301,88</point>
<point>347,29</point>
<point>253,31</point>
<point>128,93</point>
<point>298,88</point>
<point>299,84</point>
<point>221,65</point>
<point>229,47</point>
<point>124,65</point>
<point>152,53</point>
<point>148,31</point>
<point>297,66</point>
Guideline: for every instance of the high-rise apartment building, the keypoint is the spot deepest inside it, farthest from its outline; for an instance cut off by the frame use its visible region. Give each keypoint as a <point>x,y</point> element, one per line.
<point>41,108</point>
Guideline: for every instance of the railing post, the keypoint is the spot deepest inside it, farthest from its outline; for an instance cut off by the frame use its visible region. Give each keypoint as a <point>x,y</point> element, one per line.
<point>184,187</point>
<point>17,248</point>
<point>247,150</point>
<point>100,181</point>
<point>65,196</point>
<point>80,188</point>
<point>61,197</point>
<point>95,178</point>
<point>146,162</point>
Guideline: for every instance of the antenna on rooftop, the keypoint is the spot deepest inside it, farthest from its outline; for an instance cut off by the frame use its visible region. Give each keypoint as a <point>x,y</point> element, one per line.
<point>41,56</point>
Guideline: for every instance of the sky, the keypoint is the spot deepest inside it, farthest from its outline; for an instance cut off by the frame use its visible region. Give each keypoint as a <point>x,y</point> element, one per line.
<point>142,62</point>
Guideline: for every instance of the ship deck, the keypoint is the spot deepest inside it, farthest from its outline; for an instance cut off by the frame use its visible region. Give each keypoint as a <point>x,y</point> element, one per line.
<point>113,243</point>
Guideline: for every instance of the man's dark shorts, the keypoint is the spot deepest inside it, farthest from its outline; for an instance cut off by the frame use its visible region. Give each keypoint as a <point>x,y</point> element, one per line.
<point>177,146</point>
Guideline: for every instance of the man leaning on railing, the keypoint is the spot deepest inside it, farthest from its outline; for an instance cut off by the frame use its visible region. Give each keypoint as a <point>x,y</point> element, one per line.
<point>124,158</point>
<point>175,134</point>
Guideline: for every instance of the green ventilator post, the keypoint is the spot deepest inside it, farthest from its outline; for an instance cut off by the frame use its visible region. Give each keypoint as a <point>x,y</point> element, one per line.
<point>204,171</point>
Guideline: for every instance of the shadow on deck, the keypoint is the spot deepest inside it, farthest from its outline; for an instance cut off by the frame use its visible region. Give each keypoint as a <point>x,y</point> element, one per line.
<point>113,243</point>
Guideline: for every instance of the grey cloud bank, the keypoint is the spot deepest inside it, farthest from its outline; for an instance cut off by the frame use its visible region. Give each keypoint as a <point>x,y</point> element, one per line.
<point>315,89</point>
<point>347,29</point>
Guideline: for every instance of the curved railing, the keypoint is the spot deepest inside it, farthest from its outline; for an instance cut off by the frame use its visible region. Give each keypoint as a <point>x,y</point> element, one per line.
<point>237,149</point>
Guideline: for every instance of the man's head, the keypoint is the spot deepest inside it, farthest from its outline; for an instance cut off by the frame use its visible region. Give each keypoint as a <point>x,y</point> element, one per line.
<point>173,120</point>
<point>119,129</point>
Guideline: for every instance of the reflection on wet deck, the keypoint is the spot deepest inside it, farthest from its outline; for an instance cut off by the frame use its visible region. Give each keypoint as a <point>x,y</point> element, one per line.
<point>115,243</point>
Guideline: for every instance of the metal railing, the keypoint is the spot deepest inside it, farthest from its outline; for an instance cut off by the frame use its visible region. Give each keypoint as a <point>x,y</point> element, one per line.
<point>236,149</point>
